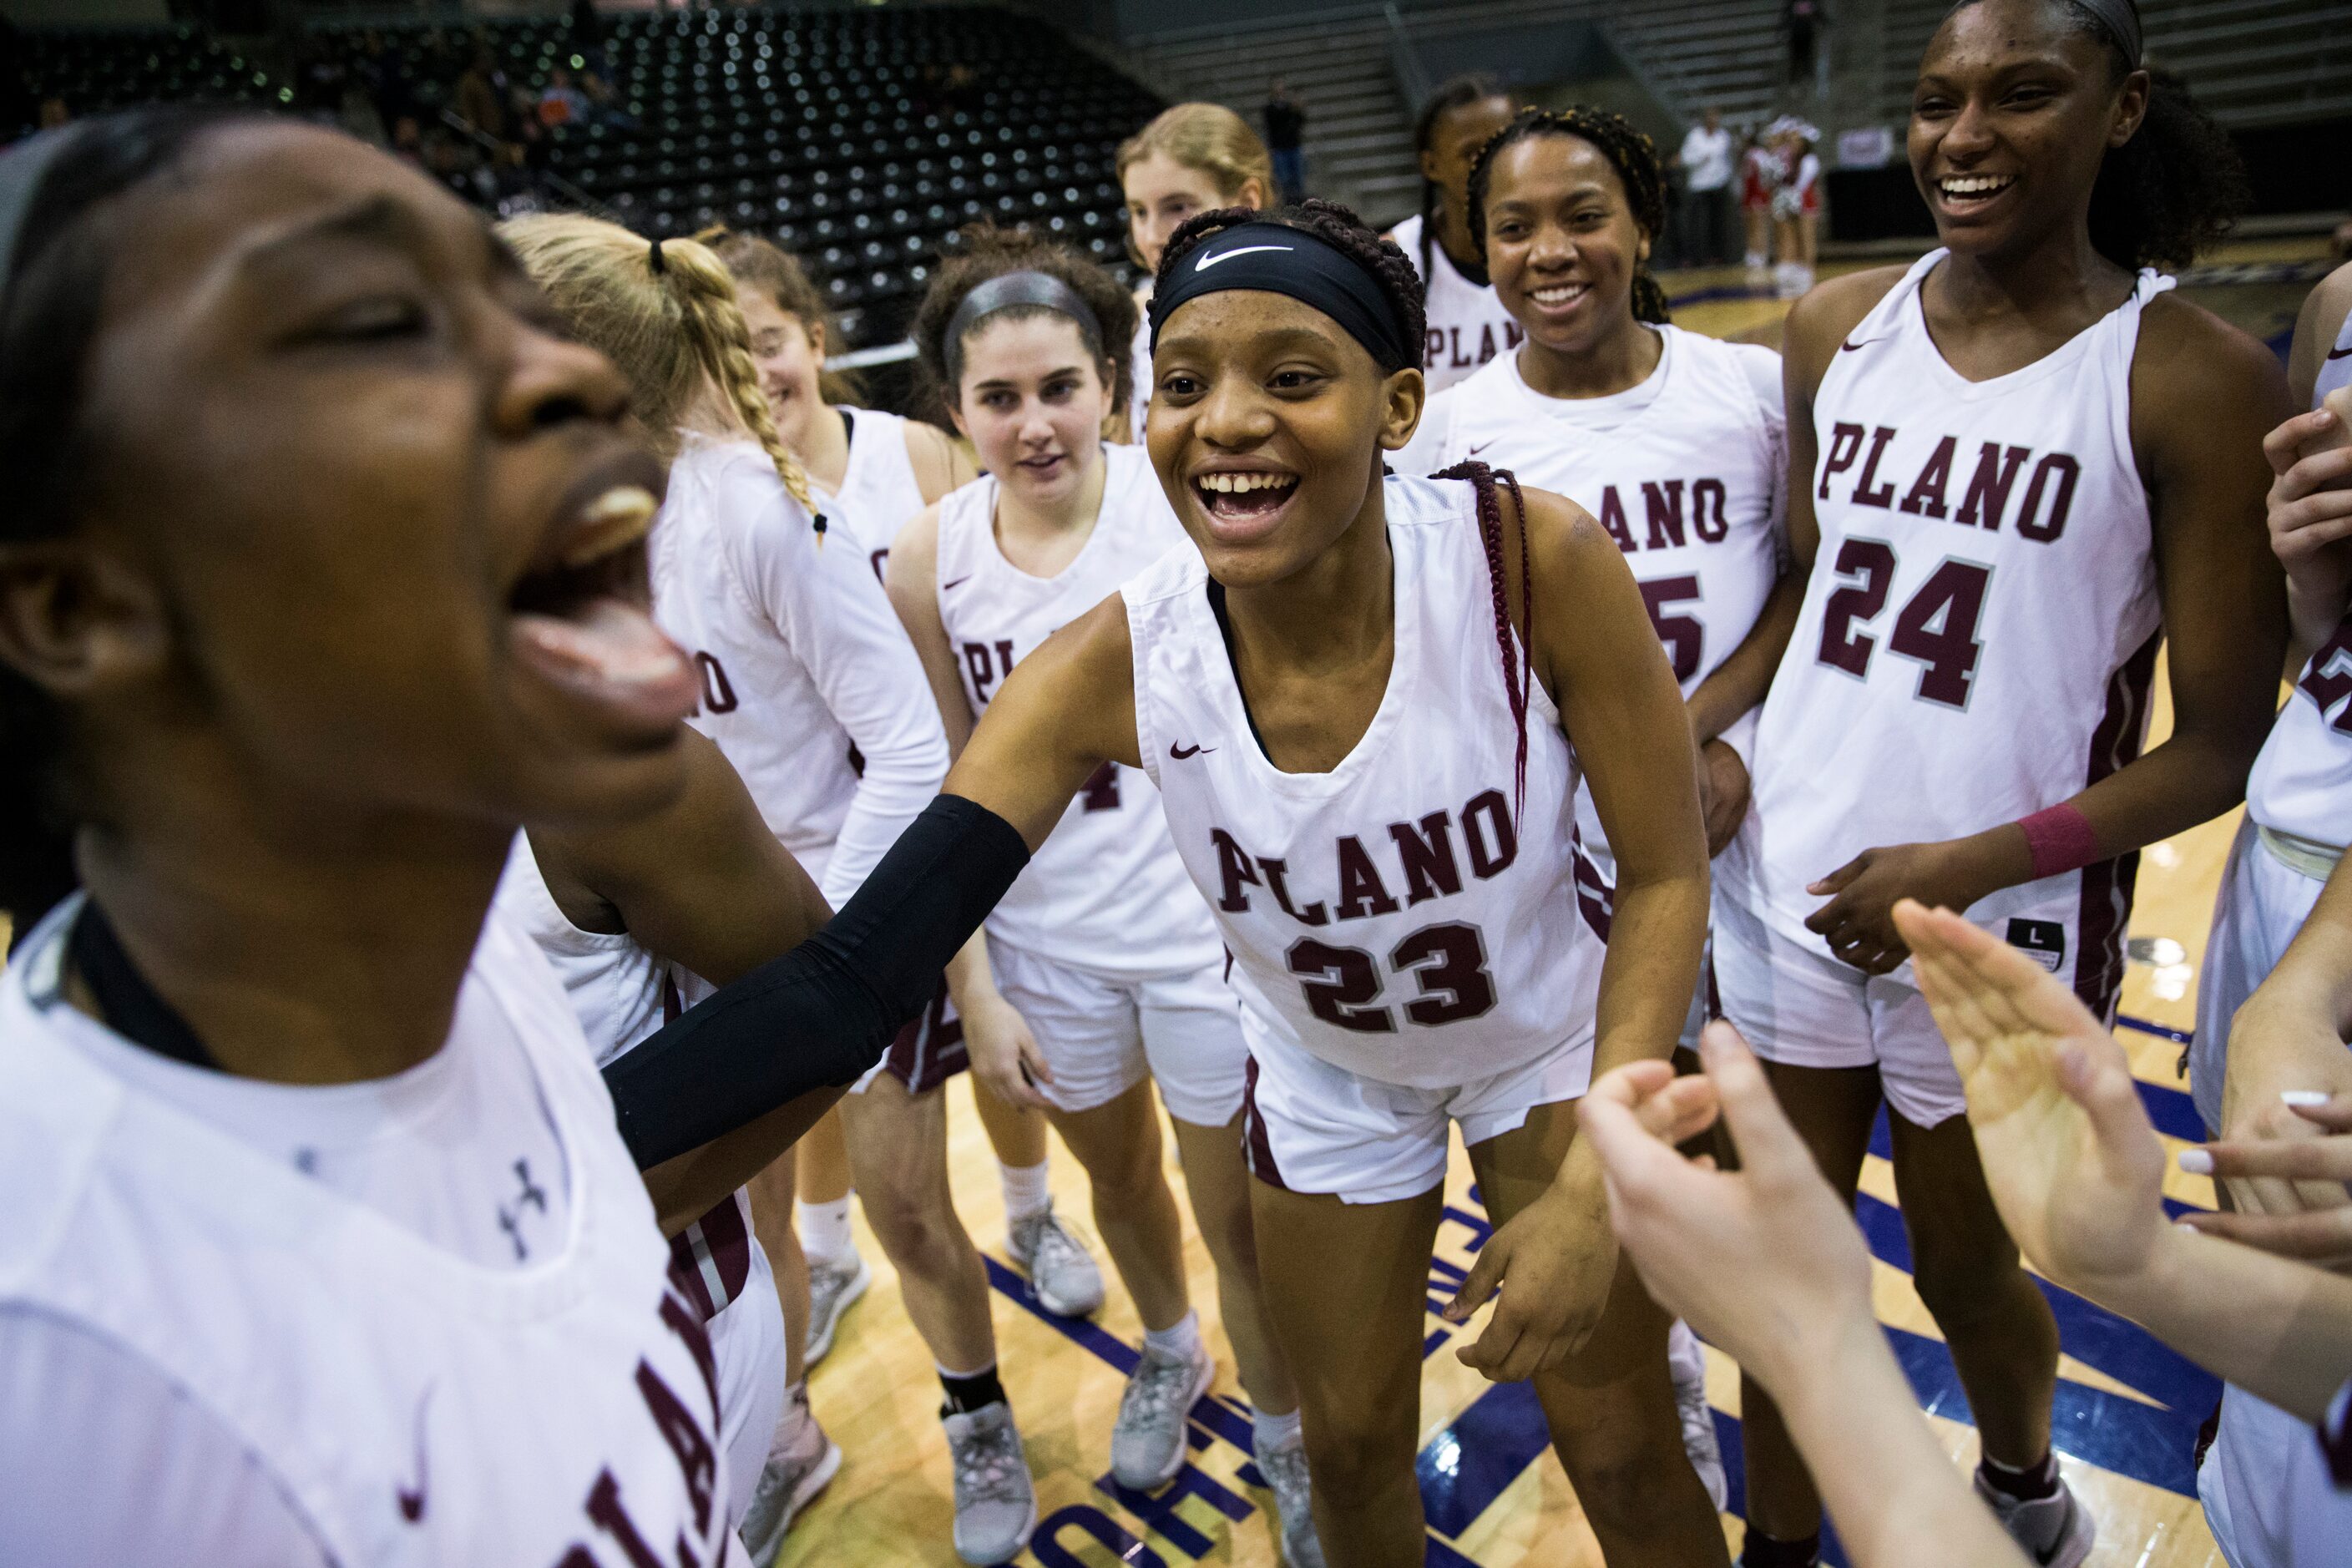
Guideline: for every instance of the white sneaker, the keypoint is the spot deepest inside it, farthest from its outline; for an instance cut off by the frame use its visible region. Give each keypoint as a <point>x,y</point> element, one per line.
<point>995,1504</point>
<point>1063,1275</point>
<point>834,1284</point>
<point>1284,1470</point>
<point>2054,1531</point>
<point>798,1469</point>
<point>1688,1361</point>
<point>1147,1443</point>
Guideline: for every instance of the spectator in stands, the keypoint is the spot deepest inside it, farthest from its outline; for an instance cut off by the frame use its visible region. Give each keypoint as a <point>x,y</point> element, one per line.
<point>1285,137</point>
<point>477,99</point>
<point>562,102</point>
<point>1802,21</point>
<point>1704,163</point>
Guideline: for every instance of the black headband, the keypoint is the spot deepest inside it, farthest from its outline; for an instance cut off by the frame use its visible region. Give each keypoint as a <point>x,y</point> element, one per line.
<point>1027,287</point>
<point>22,169</point>
<point>1274,258</point>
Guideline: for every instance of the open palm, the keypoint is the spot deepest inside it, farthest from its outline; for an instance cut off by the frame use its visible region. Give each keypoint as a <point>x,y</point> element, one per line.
<point>2074,1164</point>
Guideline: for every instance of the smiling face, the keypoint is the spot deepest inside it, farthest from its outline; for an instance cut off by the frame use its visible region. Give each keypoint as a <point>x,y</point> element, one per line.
<point>366,528</point>
<point>791,356</point>
<point>2015,109</point>
<point>1162,193</point>
<point>1266,427</point>
<point>1031,400</point>
<point>1562,245</point>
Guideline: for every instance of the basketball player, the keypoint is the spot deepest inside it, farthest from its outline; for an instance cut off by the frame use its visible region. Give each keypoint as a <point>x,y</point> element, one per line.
<point>803,662</point>
<point>2014,466</point>
<point>323,1248</point>
<point>1675,441</point>
<point>1103,948</point>
<point>883,469</point>
<point>1467,325</point>
<point>1191,158</point>
<point>2298,805</point>
<point>1330,692</point>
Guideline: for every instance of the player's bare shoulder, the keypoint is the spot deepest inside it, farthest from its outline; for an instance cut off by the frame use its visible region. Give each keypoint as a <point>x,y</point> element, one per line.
<point>1820,324</point>
<point>2194,375</point>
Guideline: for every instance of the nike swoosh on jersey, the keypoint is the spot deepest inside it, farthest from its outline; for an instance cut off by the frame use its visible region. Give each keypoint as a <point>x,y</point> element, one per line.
<point>1848,346</point>
<point>2339,353</point>
<point>1183,753</point>
<point>1208,261</point>
<point>1481,446</point>
<point>958,583</point>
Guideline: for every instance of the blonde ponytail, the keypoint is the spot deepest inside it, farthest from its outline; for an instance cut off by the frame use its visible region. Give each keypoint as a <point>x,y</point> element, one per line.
<point>665,312</point>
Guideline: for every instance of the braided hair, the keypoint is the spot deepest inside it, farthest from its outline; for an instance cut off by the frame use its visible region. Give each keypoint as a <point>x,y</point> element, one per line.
<point>1458,92</point>
<point>1329,222</point>
<point>664,311</point>
<point>1629,150</point>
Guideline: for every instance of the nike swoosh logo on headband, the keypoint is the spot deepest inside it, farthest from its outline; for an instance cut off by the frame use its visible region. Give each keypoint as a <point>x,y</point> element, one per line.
<point>1208,261</point>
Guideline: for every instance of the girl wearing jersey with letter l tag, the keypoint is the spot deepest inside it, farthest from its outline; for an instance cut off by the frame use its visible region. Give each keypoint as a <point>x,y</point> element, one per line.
<point>2013,467</point>
<point>1356,695</point>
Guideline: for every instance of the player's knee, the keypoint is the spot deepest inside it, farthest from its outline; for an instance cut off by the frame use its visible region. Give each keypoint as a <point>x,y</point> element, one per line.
<point>920,1234</point>
<point>1619,1492</point>
<point>1358,1457</point>
<point>1963,1286</point>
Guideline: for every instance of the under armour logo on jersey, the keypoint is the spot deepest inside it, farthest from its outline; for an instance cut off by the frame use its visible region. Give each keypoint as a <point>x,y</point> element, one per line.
<point>510,1219</point>
<point>1208,261</point>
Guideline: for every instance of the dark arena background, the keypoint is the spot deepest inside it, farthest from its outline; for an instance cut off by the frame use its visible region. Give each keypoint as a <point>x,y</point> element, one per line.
<point>862,137</point>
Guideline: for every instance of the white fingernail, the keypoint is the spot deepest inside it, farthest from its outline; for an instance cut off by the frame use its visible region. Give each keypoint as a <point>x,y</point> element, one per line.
<point>2304,1096</point>
<point>2197,1162</point>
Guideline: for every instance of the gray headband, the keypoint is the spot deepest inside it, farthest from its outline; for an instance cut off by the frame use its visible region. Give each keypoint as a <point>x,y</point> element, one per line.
<point>2118,19</point>
<point>22,169</point>
<point>1002,293</point>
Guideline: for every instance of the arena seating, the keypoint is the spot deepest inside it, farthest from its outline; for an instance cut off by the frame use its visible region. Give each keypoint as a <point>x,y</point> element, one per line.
<point>94,69</point>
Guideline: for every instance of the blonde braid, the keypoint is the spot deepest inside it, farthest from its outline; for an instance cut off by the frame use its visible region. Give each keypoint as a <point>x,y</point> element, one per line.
<point>704,290</point>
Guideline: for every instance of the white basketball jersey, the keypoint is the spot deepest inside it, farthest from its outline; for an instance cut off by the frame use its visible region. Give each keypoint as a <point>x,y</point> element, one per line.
<point>880,491</point>
<point>2302,783</point>
<point>1467,325</point>
<point>1105,892</point>
<point>1396,916</point>
<point>1138,395</point>
<point>411,1407</point>
<point>1979,638</point>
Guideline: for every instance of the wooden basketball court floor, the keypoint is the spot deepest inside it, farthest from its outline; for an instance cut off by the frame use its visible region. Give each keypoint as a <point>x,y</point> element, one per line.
<point>2127,1408</point>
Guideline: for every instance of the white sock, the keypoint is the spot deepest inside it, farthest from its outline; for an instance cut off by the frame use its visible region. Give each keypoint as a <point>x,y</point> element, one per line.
<point>1686,1357</point>
<point>1025,1192</point>
<point>824,1229</point>
<point>1180,1339</point>
<point>1270,1432</point>
<point>792,1420</point>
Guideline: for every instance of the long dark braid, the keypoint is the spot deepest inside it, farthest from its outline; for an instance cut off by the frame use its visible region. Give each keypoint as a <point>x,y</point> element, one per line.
<point>1327,221</point>
<point>1518,654</point>
<point>1455,93</point>
<point>1629,150</point>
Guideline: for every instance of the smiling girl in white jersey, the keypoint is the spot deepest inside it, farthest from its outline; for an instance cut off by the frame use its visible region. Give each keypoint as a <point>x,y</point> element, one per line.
<point>2014,466</point>
<point>1466,325</point>
<point>2298,815</point>
<point>1103,946</point>
<point>1364,761</point>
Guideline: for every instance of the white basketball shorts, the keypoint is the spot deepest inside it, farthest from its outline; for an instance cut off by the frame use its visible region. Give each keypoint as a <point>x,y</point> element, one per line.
<point>1101,1034</point>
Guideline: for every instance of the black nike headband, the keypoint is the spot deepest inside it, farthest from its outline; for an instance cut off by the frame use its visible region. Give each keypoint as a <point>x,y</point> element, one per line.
<point>1274,258</point>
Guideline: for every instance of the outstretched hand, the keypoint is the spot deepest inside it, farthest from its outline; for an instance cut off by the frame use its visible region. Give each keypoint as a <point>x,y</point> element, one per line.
<point>2318,1234</point>
<point>1764,1261</point>
<point>2074,1164</point>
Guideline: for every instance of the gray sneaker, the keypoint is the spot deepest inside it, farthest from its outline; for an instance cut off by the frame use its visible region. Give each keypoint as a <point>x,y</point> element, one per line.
<point>996,1506</point>
<point>1284,1470</point>
<point>1698,1435</point>
<point>1147,1443</point>
<point>797,1470</point>
<point>2054,1531</point>
<point>833,1285</point>
<point>1061,1273</point>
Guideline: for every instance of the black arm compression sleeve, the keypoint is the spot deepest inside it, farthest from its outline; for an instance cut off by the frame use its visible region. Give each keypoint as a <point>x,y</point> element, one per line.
<point>822,1013</point>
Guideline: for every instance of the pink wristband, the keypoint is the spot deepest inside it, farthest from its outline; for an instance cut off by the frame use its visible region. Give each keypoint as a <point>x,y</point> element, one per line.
<point>2061,840</point>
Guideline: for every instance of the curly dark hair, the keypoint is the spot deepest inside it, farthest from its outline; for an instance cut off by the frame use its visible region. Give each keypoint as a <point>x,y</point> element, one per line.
<point>1456,92</point>
<point>1629,151</point>
<point>1333,224</point>
<point>984,251</point>
<point>2178,186</point>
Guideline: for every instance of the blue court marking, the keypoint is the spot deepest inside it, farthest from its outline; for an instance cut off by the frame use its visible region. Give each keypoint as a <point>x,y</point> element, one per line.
<point>2147,1027</point>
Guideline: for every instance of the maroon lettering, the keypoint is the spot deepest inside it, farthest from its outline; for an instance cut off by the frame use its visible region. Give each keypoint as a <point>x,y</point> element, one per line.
<point>718,692</point>
<point>1489,861</point>
<point>1430,869</point>
<point>1613,518</point>
<point>1871,565</point>
<point>1938,629</point>
<point>1361,892</point>
<point>1883,496</point>
<point>1455,334</point>
<point>1233,869</point>
<point>1665,510</point>
<point>1100,792</point>
<point>1277,882</point>
<point>604,1507</point>
<point>1710,511</point>
<point>2030,522</point>
<point>688,1328</point>
<point>696,1461</point>
<point>2329,680</point>
<point>984,673</point>
<point>1342,986</point>
<point>1988,494</point>
<point>1450,963</point>
<point>1684,636</point>
<point>1436,346</point>
<point>1926,496</point>
<point>578,1556</point>
<point>1845,445</point>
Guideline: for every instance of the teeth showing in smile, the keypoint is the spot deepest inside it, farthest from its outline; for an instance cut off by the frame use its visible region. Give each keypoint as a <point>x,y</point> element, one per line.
<point>1975,184</point>
<point>613,521</point>
<point>1560,293</point>
<point>1242,484</point>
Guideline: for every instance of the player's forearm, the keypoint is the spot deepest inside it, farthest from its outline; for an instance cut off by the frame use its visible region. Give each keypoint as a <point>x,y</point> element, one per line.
<point>1651,972</point>
<point>1738,684</point>
<point>2313,614</point>
<point>2317,971</point>
<point>1894,1492</point>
